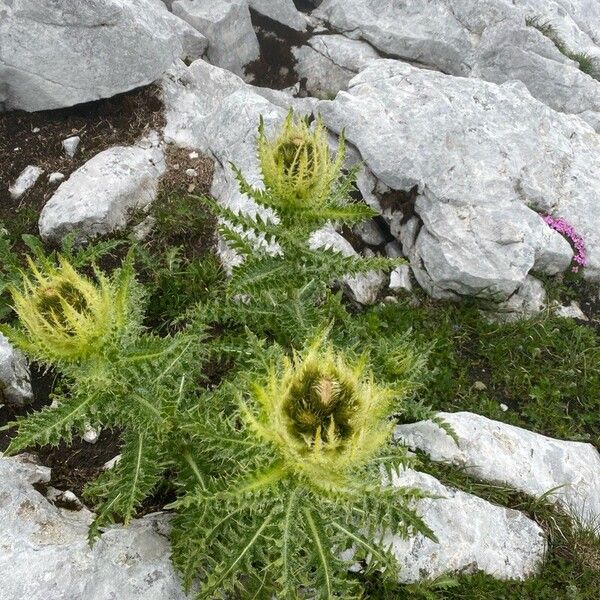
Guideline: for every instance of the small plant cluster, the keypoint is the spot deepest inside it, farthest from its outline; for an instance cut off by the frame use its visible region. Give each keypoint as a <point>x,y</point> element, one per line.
<point>260,409</point>
<point>580,259</point>
<point>586,62</point>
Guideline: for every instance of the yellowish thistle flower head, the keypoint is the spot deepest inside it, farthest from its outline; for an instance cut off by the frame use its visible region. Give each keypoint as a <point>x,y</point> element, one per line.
<point>324,414</point>
<point>65,315</point>
<point>297,165</point>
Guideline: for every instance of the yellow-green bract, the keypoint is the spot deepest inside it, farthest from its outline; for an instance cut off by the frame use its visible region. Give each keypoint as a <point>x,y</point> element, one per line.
<point>324,414</point>
<point>65,315</point>
<point>297,165</point>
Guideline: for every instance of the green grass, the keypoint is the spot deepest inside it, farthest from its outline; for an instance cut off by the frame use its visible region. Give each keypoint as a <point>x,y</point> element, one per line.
<point>586,62</point>
<point>546,371</point>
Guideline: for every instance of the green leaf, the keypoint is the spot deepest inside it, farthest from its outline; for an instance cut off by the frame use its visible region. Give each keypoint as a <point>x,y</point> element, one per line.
<point>52,425</point>
<point>120,491</point>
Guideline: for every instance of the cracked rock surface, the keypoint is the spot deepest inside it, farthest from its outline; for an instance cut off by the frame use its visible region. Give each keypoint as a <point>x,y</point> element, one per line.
<point>523,460</point>
<point>45,554</point>
<point>57,53</point>
<point>489,39</point>
<point>473,536</point>
<point>481,177</point>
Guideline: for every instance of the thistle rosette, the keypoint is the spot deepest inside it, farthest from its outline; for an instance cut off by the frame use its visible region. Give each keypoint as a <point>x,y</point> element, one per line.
<point>277,490</point>
<point>65,316</point>
<point>297,165</point>
<point>323,413</point>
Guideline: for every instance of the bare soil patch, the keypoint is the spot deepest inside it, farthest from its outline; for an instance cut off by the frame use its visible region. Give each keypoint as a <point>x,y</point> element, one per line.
<point>36,139</point>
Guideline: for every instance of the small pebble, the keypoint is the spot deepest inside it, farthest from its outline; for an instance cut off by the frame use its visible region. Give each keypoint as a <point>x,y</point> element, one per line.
<point>55,177</point>
<point>504,407</point>
<point>91,435</point>
<point>35,130</point>
<point>191,173</point>
<point>193,155</point>
<point>66,497</point>
<point>109,464</point>
<point>400,279</point>
<point>70,145</point>
<point>393,249</point>
<point>25,181</point>
<point>144,228</point>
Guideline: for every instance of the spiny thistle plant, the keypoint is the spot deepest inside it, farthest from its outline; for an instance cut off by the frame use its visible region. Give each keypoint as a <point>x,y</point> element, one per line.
<point>283,474</point>
<point>113,373</point>
<point>297,166</point>
<point>307,189</point>
<point>66,317</point>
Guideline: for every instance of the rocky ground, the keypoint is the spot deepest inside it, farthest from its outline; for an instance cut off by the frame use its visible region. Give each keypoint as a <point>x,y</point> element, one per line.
<point>478,128</point>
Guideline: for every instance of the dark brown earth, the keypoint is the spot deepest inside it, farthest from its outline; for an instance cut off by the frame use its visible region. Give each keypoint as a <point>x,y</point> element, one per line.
<point>72,465</point>
<point>120,120</point>
<point>276,67</point>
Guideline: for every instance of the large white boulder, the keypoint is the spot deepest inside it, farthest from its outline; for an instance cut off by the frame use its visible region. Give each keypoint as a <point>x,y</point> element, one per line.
<point>45,553</point>
<point>482,161</point>
<point>57,53</point>
<point>512,50</point>
<point>490,39</point>
<point>523,460</point>
<point>473,536</point>
<point>232,42</point>
<point>101,196</point>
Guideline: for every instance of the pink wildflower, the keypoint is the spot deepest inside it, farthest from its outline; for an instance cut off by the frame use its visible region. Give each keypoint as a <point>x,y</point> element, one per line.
<point>558,224</point>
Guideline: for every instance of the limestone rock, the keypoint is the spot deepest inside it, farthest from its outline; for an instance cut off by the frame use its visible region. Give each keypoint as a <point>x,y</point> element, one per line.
<point>570,311</point>
<point>473,535</point>
<point>528,301</point>
<point>370,233</point>
<point>45,554</point>
<point>57,53</point>
<point>512,51</point>
<point>329,62</point>
<point>400,279</point>
<point>25,181</point>
<point>99,197</point>
<point>364,287</point>
<point>466,146</point>
<point>490,39</point>
<point>70,145</point>
<point>282,11</point>
<point>15,383</point>
<point>511,456</point>
<point>55,177</point>
<point>232,43</point>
